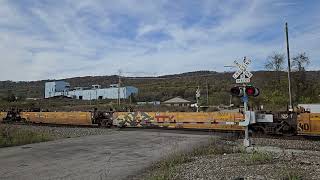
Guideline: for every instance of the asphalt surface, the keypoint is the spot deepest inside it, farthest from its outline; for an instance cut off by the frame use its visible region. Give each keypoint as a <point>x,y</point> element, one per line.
<point>118,155</point>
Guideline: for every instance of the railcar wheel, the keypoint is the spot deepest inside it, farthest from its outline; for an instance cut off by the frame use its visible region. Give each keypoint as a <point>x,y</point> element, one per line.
<point>259,131</point>
<point>103,123</point>
<point>288,130</point>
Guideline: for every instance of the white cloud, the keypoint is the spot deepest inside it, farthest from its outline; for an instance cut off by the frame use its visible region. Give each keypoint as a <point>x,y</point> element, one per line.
<point>96,37</point>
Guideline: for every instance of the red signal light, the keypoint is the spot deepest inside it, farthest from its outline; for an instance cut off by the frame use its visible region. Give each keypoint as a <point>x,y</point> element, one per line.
<point>252,91</point>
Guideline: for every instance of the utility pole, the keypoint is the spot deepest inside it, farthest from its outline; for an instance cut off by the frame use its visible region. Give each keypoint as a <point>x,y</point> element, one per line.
<point>207,92</point>
<point>289,69</point>
<point>119,84</point>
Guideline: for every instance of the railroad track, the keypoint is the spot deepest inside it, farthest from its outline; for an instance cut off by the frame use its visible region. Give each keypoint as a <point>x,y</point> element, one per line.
<point>53,125</point>
<point>228,135</point>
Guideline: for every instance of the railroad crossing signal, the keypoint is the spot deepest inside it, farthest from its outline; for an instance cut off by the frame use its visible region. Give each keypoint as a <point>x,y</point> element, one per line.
<point>252,91</point>
<point>197,97</point>
<point>198,93</point>
<point>237,91</point>
<point>243,76</point>
<point>242,72</point>
<point>240,91</point>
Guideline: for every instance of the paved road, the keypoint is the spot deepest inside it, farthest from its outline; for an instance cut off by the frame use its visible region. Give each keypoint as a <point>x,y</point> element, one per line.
<point>115,156</point>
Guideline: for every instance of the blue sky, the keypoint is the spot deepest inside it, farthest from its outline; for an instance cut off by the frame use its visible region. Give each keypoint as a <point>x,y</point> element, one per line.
<point>58,39</point>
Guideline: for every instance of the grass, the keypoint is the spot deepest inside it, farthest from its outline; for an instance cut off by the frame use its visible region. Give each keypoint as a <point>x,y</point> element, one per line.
<point>168,168</point>
<point>292,176</point>
<point>291,173</point>
<point>13,136</point>
<point>257,158</point>
<point>213,148</point>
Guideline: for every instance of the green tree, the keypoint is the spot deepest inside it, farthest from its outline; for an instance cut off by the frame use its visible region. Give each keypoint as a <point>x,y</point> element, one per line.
<point>11,97</point>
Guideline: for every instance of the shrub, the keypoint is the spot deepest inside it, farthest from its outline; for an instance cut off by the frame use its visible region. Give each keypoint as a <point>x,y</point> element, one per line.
<point>13,136</point>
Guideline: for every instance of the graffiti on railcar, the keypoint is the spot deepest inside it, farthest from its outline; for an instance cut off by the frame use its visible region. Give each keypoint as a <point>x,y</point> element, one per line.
<point>172,119</point>
<point>135,119</point>
<point>164,118</point>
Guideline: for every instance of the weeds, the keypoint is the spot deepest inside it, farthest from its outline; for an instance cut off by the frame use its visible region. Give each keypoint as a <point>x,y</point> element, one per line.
<point>291,173</point>
<point>292,176</point>
<point>257,158</point>
<point>13,136</point>
<point>213,148</point>
<point>167,168</point>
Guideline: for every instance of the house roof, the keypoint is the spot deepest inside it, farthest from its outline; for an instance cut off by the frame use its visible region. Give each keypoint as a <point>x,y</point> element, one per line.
<point>176,100</point>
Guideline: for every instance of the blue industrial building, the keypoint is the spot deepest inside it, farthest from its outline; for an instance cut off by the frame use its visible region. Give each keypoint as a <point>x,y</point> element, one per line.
<point>62,88</point>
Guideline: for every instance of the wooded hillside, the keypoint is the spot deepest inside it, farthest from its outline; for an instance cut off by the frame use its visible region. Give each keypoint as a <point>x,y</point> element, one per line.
<point>273,87</point>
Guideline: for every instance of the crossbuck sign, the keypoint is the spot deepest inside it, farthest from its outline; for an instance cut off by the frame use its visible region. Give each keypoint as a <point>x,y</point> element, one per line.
<point>242,75</point>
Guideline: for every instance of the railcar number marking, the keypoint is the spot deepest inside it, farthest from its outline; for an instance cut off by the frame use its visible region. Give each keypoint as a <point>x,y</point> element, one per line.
<point>304,126</point>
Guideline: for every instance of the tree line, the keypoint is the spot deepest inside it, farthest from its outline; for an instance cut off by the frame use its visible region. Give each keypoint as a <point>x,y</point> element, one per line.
<point>303,89</point>
<point>272,82</point>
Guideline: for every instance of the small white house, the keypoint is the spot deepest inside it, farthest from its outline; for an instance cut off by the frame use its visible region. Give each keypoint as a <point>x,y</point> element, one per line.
<point>177,101</point>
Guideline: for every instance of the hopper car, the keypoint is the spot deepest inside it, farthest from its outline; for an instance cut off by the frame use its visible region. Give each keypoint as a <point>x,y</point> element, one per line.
<point>282,123</point>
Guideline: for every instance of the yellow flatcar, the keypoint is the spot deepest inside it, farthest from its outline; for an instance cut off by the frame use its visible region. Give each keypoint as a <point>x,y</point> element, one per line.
<point>3,115</point>
<point>275,123</point>
<point>193,120</point>
<point>308,124</point>
<point>73,118</point>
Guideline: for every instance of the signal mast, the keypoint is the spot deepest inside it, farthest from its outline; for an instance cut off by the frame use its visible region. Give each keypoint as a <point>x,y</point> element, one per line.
<point>243,76</point>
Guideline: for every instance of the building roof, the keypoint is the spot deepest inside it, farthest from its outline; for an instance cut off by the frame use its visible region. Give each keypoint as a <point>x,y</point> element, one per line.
<point>176,100</point>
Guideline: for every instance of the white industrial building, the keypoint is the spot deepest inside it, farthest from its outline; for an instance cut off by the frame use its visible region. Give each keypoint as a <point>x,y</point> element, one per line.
<point>313,108</point>
<point>62,88</point>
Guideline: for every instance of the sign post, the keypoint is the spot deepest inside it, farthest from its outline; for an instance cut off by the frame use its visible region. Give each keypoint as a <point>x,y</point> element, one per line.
<point>243,76</point>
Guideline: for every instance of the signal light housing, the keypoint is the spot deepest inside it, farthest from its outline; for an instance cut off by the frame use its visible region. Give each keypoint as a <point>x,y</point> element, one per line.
<point>249,90</point>
<point>237,91</point>
<point>252,91</point>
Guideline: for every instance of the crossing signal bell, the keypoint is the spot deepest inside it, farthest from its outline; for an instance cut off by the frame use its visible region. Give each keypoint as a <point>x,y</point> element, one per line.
<point>249,90</point>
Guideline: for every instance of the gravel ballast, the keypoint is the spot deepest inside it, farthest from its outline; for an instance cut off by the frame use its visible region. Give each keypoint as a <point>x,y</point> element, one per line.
<point>234,166</point>
<point>303,144</point>
<point>294,159</point>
